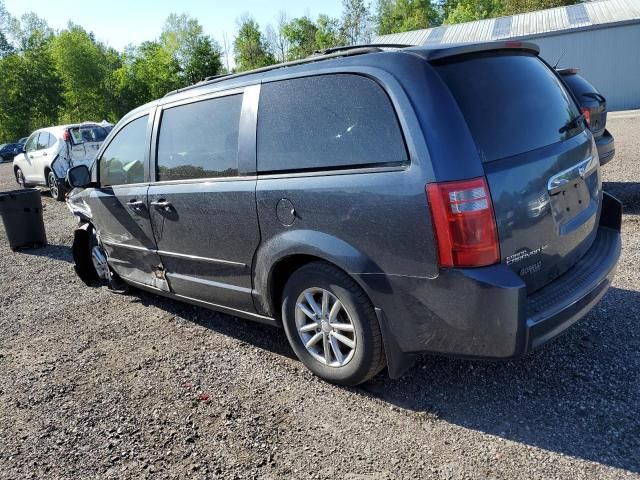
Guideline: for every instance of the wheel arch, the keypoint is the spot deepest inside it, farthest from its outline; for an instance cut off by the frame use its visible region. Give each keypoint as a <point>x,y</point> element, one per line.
<point>47,171</point>
<point>81,250</point>
<point>278,258</point>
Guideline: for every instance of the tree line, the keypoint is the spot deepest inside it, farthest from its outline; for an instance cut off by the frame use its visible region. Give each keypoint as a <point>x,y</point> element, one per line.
<point>50,77</point>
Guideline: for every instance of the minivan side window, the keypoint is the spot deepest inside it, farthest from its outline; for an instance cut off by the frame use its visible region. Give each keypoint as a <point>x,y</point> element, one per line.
<point>122,162</point>
<point>325,122</point>
<point>200,139</point>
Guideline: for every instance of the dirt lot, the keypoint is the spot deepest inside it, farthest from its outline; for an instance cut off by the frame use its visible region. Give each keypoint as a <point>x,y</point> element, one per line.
<point>96,385</point>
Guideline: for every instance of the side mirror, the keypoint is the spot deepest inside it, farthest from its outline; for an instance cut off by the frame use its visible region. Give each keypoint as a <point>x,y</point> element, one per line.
<point>23,148</point>
<point>79,176</point>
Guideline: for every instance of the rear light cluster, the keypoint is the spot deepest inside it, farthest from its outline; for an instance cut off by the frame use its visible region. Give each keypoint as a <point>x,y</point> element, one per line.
<point>465,226</point>
<point>66,135</point>
<point>586,112</point>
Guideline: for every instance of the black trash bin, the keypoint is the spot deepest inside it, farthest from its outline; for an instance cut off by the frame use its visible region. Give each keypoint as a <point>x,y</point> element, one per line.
<point>21,212</point>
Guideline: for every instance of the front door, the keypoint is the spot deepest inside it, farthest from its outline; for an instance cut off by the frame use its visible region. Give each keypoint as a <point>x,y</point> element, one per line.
<point>33,152</point>
<point>119,206</point>
<point>203,210</point>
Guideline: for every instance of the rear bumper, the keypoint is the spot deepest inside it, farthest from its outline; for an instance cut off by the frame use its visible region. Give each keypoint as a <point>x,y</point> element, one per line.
<point>563,302</point>
<point>486,312</point>
<point>606,147</point>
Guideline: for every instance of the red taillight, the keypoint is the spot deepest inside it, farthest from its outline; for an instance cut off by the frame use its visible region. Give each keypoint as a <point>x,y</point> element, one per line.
<point>465,226</point>
<point>66,136</point>
<point>586,111</point>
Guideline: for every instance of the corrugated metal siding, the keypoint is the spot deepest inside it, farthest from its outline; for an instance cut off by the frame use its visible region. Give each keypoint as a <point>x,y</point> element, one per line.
<point>525,25</point>
<point>603,41</point>
<point>609,58</point>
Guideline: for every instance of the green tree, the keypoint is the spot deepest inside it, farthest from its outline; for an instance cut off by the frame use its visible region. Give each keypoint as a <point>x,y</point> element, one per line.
<point>29,30</point>
<point>276,41</point>
<point>301,36</point>
<point>249,47</point>
<point>5,47</point>
<point>512,7</point>
<point>148,72</point>
<point>356,21</point>
<point>405,15</point>
<point>30,89</point>
<point>468,10</point>
<point>198,55</point>
<point>14,117</point>
<point>328,33</point>
<point>82,66</point>
<point>457,11</point>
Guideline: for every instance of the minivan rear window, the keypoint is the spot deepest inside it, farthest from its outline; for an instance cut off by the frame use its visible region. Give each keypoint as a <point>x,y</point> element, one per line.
<point>325,122</point>
<point>512,102</point>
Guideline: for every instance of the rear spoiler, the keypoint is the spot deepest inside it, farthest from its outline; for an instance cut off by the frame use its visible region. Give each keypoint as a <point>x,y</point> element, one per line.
<point>455,50</point>
<point>567,71</point>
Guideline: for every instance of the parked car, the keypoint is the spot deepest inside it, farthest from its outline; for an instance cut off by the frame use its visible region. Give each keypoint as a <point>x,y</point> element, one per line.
<point>107,125</point>
<point>9,150</point>
<point>23,140</point>
<point>594,108</point>
<point>77,144</point>
<point>375,203</point>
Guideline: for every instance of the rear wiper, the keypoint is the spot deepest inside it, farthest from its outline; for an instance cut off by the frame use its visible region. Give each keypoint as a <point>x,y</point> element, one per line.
<point>573,123</point>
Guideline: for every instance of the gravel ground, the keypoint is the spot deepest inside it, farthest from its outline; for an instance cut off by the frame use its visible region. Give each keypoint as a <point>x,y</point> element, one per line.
<point>97,385</point>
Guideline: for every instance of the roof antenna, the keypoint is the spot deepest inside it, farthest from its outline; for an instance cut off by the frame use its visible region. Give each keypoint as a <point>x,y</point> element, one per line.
<point>560,58</point>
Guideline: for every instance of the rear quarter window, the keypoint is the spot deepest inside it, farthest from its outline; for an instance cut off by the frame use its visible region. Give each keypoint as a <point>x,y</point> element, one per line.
<point>512,103</point>
<point>326,122</point>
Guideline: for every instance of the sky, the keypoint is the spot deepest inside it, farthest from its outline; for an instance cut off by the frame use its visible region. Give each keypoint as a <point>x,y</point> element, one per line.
<point>121,22</point>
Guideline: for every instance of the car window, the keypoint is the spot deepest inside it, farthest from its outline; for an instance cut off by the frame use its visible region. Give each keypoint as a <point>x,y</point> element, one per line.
<point>200,140</point>
<point>32,142</point>
<point>122,162</point>
<point>52,140</point>
<point>88,133</point>
<point>43,141</point>
<point>513,103</point>
<point>327,121</point>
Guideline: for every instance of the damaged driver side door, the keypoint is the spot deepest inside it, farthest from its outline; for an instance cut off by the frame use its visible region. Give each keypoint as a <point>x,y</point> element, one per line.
<point>119,205</point>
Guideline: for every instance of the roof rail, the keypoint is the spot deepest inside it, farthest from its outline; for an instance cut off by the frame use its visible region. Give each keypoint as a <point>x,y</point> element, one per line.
<point>346,48</point>
<point>339,52</point>
<point>213,77</point>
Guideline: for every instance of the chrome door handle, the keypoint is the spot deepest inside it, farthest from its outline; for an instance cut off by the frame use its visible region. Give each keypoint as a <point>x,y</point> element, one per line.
<point>44,154</point>
<point>136,205</point>
<point>162,205</point>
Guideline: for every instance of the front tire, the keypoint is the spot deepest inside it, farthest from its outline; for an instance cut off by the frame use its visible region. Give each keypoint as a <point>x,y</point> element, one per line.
<point>55,187</point>
<point>331,325</point>
<point>20,180</point>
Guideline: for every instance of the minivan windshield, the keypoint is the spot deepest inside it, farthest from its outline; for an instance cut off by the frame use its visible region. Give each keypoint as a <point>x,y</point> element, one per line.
<point>512,102</point>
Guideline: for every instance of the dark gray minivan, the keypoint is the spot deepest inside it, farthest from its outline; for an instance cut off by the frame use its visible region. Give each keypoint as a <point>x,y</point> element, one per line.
<point>376,202</point>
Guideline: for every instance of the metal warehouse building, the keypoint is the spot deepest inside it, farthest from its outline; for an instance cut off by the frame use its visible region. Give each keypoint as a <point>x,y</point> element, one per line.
<point>601,38</point>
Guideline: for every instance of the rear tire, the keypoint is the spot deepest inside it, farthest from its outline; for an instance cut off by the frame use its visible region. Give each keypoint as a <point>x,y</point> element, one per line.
<point>331,325</point>
<point>55,187</point>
